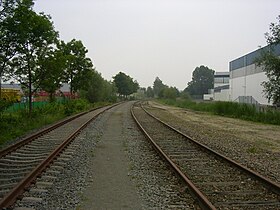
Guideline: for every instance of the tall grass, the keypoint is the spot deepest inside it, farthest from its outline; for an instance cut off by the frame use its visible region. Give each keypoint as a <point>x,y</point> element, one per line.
<point>229,109</point>
<point>17,123</point>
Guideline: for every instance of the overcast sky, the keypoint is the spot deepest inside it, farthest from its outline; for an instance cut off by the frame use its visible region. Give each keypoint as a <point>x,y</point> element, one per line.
<point>164,38</point>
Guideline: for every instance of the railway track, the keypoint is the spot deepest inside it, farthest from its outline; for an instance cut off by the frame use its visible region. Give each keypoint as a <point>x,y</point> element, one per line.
<point>22,163</point>
<point>214,180</point>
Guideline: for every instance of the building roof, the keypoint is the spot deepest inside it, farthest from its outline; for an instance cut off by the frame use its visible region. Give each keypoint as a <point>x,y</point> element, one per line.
<point>12,86</point>
<point>250,58</point>
<point>64,88</point>
<point>219,88</point>
<point>221,74</point>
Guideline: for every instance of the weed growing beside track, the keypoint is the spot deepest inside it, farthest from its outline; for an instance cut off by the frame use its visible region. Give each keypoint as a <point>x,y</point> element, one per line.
<point>18,123</point>
<point>229,109</point>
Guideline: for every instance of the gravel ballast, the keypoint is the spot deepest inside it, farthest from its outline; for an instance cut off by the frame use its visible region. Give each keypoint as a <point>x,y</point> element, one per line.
<point>254,145</point>
<point>71,173</point>
<point>75,179</point>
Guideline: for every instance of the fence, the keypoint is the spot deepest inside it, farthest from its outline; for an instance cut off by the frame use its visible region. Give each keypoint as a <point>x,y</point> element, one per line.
<point>35,104</point>
<point>259,107</point>
<point>24,106</point>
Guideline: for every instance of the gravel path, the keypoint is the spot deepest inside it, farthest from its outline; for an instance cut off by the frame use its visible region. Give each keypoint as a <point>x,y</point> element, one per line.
<point>139,180</point>
<point>111,187</point>
<point>138,165</point>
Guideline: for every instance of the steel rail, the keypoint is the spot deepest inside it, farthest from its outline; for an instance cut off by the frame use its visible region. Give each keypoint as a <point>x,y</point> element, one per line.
<point>273,186</point>
<point>202,199</point>
<point>30,178</point>
<point>29,139</point>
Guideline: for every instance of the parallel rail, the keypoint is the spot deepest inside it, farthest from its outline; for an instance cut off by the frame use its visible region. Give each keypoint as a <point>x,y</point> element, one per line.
<point>34,136</point>
<point>59,141</point>
<point>216,181</point>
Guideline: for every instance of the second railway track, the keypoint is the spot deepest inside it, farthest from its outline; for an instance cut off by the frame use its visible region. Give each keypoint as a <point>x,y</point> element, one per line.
<point>218,183</point>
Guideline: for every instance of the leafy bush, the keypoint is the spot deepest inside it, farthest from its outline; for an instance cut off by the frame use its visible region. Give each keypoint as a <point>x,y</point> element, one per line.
<point>75,106</point>
<point>4,105</point>
<point>15,124</point>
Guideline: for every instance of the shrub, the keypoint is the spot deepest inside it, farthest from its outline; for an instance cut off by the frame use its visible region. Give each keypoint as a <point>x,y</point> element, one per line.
<point>18,122</point>
<point>75,106</point>
<point>4,105</point>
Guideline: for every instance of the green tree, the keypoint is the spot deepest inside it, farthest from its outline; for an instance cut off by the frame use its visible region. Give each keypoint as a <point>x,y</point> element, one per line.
<point>6,8</point>
<point>52,66</point>
<point>35,36</point>
<point>135,86</point>
<point>125,84</point>
<point>95,88</point>
<point>78,66</point>
<point>185,95</point>
<point>273,36</point>
<point>170,93</point>
<point>98,89</point>
<point>4,105</point>
<point>202,80</point>
<point>7,39</point>
<point>158,87</point>
<point>271,64</point>
<point>150,92</point>
<point>109,91</point>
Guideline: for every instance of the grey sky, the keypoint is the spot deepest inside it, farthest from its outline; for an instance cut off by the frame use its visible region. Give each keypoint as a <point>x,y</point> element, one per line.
<point>164,38</point>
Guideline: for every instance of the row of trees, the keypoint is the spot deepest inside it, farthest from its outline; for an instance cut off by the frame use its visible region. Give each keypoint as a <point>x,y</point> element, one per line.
<point>32,54</point>
<point>98,89</point>
<point>160,90</point>
<point>202,81</point>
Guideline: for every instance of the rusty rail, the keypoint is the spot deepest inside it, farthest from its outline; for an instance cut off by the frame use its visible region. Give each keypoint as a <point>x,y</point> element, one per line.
<point>269,183</point>
<point>14,194</point>
<point>203,201</point>
<point>29,139</point>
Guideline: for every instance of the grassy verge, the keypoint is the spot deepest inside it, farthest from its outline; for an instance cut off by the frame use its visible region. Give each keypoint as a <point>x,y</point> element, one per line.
<point>229,109</point>
<point>16,124</point>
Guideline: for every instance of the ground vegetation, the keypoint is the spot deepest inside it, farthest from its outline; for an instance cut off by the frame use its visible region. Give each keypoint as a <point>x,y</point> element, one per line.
<point>15,124</point>
<point>229,109</point>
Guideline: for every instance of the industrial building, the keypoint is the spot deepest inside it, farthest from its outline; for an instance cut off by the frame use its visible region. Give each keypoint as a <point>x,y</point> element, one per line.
<point>243,82</point>
<point>221,86</point>
<point>246,78</point>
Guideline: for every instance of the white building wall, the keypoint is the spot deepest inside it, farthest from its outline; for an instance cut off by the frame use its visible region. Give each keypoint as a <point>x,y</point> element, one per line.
<point>246,78</point>
<point>207,97</point>
<point>224,95</point>
<point>255,89</point>
<point>248,84</point>
<point>236,86</point>
<point>219,84</point>
<point>221,79</point>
